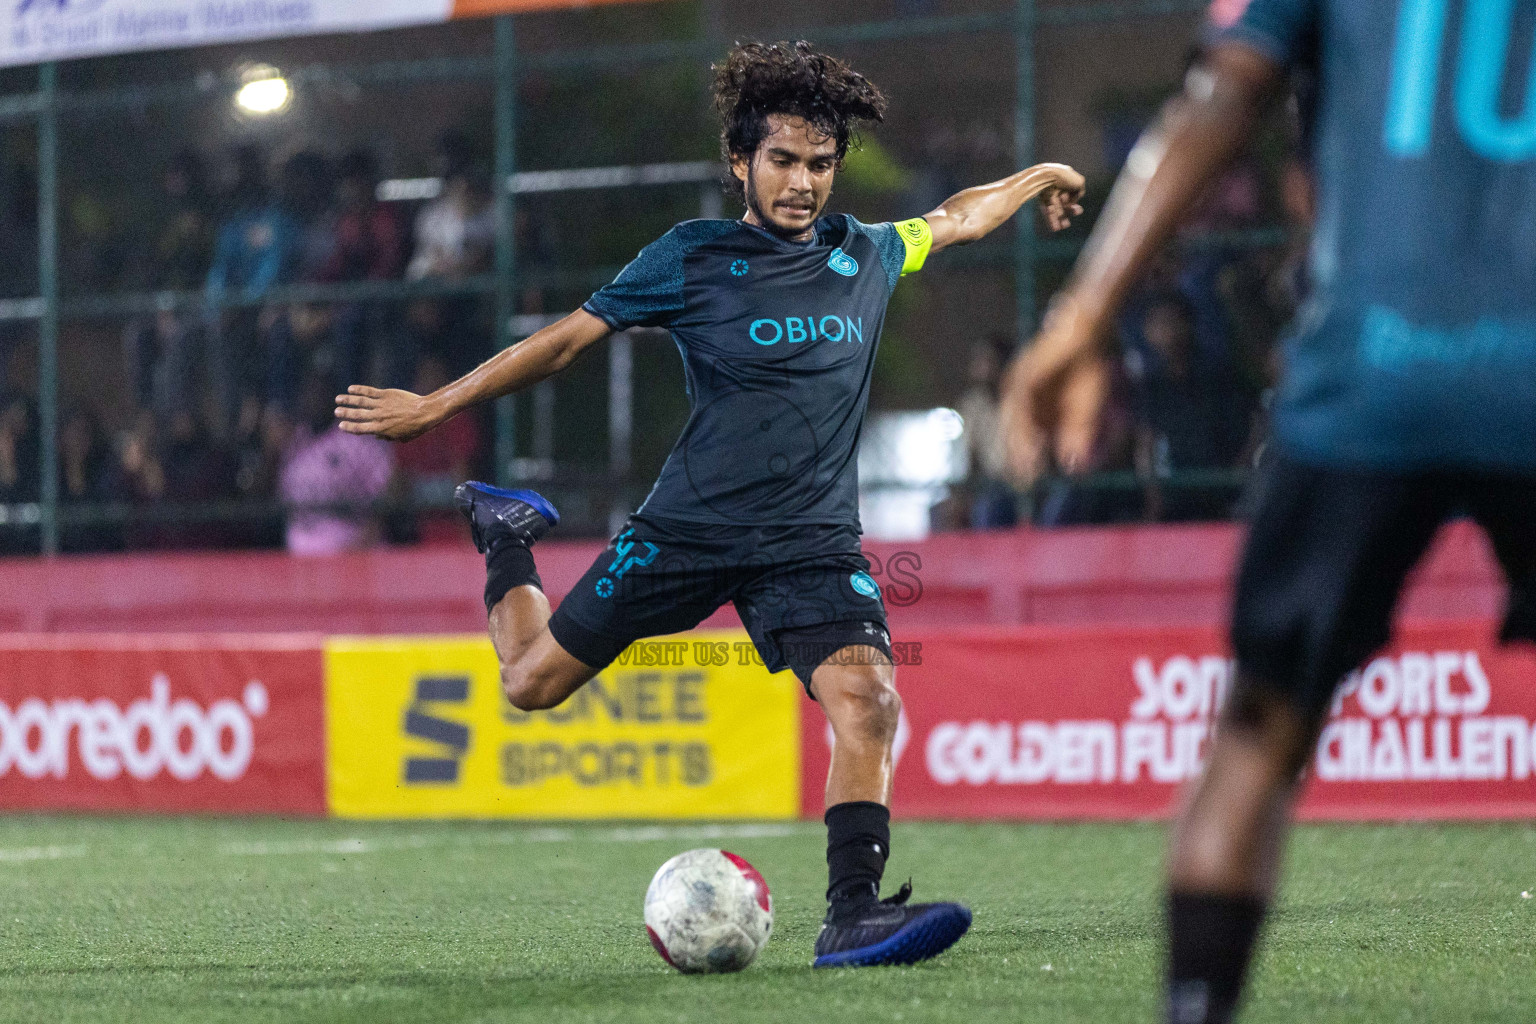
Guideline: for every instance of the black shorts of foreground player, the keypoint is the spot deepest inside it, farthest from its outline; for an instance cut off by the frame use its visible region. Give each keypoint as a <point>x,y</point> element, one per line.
<point>1409,393</point>
<point>778,317</point>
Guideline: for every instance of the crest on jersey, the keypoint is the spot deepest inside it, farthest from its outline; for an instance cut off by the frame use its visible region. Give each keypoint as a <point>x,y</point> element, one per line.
<point>843,263</point>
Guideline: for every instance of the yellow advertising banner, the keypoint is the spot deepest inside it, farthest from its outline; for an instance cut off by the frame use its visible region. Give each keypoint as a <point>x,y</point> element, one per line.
<point>678,727</point>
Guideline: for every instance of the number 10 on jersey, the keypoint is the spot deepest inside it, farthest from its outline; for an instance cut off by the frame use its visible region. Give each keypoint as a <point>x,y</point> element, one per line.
<point>1487,32</point>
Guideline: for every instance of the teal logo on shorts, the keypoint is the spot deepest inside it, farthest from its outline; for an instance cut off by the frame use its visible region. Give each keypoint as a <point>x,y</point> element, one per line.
<point>604,587</point>
<point>630,554</point>
<point>843,263</point>
<point>739,268</point>
<point>865,584</point>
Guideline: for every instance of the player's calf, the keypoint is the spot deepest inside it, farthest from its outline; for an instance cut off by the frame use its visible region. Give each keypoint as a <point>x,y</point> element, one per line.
<point>543,676</point>
<point>536,672</point>
<point>856,687</point>
<point>862,706</point>
<point>1226,851</point>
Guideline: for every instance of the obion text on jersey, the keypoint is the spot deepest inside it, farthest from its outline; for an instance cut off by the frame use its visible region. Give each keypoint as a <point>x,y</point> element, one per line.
<point>793,329</point>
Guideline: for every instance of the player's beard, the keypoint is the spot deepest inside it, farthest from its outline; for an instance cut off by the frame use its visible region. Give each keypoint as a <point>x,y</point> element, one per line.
<point>755,204</point>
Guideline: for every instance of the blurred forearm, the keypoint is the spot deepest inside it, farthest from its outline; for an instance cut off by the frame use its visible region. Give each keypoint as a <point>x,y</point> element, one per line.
<point>1197,135</point>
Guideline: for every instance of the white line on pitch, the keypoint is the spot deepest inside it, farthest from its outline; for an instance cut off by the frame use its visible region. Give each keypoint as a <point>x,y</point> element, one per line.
<point>31,853</point>
<point>636,834</point>
<point>298,846</point>
<point>653,833</point>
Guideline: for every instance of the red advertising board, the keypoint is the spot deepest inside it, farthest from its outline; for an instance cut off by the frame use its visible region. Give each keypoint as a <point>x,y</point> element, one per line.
<point>162,724</point>
<point>1030,723</point>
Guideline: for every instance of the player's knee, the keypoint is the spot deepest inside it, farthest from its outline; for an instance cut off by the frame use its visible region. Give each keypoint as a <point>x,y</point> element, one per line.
<point>863,701</point>
<point>1262,717</point>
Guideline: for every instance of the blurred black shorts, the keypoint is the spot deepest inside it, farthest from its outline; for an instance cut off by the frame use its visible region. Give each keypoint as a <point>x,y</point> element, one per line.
<point>799,590</point>
<point>1327,554</point>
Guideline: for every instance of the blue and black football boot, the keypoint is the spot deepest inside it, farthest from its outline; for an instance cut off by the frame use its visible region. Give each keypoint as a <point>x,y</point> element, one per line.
<point>892,931</point>
<point>496,514</point>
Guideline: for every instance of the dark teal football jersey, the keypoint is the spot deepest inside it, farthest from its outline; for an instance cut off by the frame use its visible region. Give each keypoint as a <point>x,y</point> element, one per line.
<point>778,342</point>
<point>1417,349</point>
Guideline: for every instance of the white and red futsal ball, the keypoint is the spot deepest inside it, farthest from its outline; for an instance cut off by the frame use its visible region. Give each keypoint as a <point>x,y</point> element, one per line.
<point>708,912</point>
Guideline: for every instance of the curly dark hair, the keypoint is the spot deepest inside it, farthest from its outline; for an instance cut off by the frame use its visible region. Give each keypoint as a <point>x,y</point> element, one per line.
<point>759,79</point>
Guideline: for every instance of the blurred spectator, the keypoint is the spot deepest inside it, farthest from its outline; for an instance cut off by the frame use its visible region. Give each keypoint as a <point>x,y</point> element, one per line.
<point>455,236</point>
<point>1189,416</point>
<point>330,478</point>
<point>369,246</point>
<point>298,343</point>
<point>456,232</point>
<point>177,465</point>
<point>87,470</point>
<point>369,238</point>
<point>258,239</point>
<point>255,454</point>
<point>88,473</point>
<point>184,248</point>
<point>255,249</point>
<point>992,500</point>
<point>258,446</point>
<point>20,476</point>
<point>141,479</point>
<point>141,475</point>
<point>306,193</point>
<point>198,469</point>
<point>1192,279</point>
<point>297,335</point>
<point>161,349</point>
<point>436,462</point>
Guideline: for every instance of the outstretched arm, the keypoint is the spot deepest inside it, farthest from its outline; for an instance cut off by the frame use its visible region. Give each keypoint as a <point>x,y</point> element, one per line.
<point>400,415</point>
<point>1055,389</point>
<point>977,212</point>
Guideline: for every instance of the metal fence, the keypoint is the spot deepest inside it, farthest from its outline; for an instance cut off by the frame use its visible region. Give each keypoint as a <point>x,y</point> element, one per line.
<point>49,105</point>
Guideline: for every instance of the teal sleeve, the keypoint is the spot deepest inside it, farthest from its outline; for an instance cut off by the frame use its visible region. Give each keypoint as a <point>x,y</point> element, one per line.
<point>893,251</point>
<point>1280,29</point>
<point>648,292</point>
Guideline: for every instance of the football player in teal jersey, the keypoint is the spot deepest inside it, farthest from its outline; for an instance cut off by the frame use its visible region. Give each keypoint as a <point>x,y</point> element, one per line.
<point>1409,391</point>
<point>777,316</point>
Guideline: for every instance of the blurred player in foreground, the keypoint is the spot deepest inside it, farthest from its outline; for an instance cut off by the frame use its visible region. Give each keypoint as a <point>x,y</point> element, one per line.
<point>777,316</point>
<point>1409,392</point>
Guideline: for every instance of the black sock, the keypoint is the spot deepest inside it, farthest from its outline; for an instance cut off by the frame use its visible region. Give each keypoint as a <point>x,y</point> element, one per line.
<point>1210,943</point>
<point>858,843</point>
<point>508,565</point>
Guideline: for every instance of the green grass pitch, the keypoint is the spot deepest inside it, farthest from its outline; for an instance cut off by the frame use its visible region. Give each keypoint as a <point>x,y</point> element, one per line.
<point>205,920</point>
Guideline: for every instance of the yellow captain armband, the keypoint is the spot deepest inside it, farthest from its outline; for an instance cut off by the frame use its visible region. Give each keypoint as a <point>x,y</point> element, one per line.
<point>917,236</point>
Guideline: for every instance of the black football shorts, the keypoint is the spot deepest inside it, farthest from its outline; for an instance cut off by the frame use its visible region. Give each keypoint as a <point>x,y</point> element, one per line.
<point>1327,555</point>
<point>803,592</point>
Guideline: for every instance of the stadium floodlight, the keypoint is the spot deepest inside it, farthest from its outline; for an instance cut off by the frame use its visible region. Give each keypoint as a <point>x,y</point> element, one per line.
<point>265,91</point>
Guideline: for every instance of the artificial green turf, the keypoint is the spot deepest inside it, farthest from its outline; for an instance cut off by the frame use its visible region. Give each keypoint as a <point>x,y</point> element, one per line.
<point>106,920</point>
